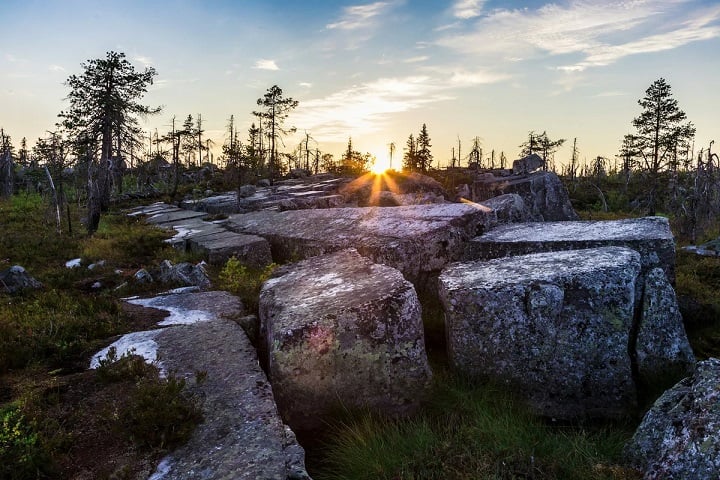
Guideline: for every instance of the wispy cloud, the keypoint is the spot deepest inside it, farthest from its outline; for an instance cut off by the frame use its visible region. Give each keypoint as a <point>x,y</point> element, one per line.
<point>601,33</point>
<point>56,68</point>
<point>266,64</point>
<point>369,107</point>
<point>305,84</point>
<point>146,61</point>
<point>418,59</point>
<point>366,108</point>
<point>359,16</point>
<point>466,9</point>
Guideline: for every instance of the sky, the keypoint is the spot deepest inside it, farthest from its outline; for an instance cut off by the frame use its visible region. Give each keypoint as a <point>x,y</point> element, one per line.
<point>376,71</point>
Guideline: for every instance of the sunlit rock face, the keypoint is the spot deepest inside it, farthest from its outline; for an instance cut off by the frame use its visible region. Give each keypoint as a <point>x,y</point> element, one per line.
<point>558,327</point>
<point>417,240</point>
<point>679,437</point>
<point>509,208</point>
<point>650,236</point>
<point>341,330</point>
<point>543,193</point>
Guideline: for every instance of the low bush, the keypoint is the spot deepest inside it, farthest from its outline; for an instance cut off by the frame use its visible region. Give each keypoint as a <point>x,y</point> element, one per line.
<point>244,282</point>
<point>22,455</point>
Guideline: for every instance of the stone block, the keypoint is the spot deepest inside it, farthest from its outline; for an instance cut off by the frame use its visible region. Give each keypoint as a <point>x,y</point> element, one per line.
<point>554,326</point>
<point>251,250</point>
<point>650,236</point>
<point>341,330</point>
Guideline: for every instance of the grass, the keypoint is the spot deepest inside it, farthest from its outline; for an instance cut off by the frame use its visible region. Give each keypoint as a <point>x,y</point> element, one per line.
<point>57,417</point>
<point>470,431</point>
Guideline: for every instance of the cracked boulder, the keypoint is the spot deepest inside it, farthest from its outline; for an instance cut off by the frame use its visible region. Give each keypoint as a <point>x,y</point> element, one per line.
<point>557,328</point>
<point>342,331</point>
<point>679,437</point>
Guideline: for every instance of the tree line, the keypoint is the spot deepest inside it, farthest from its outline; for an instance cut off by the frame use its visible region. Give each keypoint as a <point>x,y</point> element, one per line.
<point>99,136</point>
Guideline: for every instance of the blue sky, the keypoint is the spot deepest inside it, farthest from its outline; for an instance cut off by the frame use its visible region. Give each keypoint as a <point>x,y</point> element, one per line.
<point>377,70</point>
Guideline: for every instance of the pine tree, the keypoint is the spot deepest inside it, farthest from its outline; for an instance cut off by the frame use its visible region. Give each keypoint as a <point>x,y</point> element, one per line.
<point>104,106</point>
<point>276,110</point>
<point>661,134</point>
<point>423,154</point>
<point>410,162</point>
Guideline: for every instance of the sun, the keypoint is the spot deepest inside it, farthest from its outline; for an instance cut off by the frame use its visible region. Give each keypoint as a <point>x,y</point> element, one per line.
<point>381,165</point>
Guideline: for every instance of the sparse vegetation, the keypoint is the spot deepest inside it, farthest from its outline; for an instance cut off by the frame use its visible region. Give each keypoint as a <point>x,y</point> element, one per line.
<point>244,282</point>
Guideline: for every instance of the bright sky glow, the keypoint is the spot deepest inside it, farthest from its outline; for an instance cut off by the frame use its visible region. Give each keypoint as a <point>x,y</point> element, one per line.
<point>376,71</point>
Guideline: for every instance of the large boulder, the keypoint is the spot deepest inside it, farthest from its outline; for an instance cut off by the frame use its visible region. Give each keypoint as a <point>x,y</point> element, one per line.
<point>679,437</point>
<point>650,236</point>
<point>527,164</point>
<point>406,188</point>
<point>341,330</point>
<point>418,240</point>
<point>559,328</point>
<point>543,192</point>
<point>16,279</point>
<point>185,274</point>
<point>509,208</point>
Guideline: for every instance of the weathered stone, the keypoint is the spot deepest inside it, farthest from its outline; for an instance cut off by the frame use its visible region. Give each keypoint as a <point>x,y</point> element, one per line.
<point>510,208</point>
<point>193,229</point>
<point>543,193</point>
<point>527,164</point>
<point>242,435</point>
<point>246,191</point>
<point>250,250</point>
<point>171,217</point>
<point>679,437</point>
<point>143,276</point>
<point>16,279</point>
<point>651,236</point>
<point>553,326</point>
<point>663,350</point>
<point>417,240</point>
<point>342,330</point>
<point>184,274</point>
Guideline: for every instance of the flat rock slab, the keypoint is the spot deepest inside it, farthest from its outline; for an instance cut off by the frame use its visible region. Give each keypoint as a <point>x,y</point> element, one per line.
<point>251,250</point>
<point>242,435</point>
<point>193,228</point>
<point>415,239</point>
<point>553,326</point>
<point>172,217</point>
<point>341,330</point>
<point>650,236</point>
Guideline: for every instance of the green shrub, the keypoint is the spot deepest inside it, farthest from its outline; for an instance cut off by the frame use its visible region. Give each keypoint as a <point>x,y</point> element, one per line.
<point>244,282</point>
<point>22,455</point>
<point>127,367</point>
<point>160,413</point>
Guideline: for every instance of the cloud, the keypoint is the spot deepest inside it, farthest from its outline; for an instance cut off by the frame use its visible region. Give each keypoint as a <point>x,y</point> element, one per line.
<point>366,108</point>
<point>359,16</point>
<point>265,64</point>
<point>465,9</point>
<point>305,84</point>
<point>600,33</point>
<point>146,61</point>
<point>418,59</point>
<point>56,68</point>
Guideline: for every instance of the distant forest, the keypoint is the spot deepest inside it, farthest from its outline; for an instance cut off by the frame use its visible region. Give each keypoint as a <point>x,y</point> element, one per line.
<point>98,149</point>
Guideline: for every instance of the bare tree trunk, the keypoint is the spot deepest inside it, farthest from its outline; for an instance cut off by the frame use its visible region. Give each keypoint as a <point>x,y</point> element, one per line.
<point>6,175</point>
<point>56,201</point>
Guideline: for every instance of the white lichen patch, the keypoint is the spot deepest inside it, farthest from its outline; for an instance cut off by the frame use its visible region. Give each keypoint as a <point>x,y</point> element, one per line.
<point>138,343</point>
<point>178,316</point>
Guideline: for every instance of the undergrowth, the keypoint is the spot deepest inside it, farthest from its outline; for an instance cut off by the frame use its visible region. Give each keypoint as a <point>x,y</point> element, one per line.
<point>471,432</point>
<point>243,281</point>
